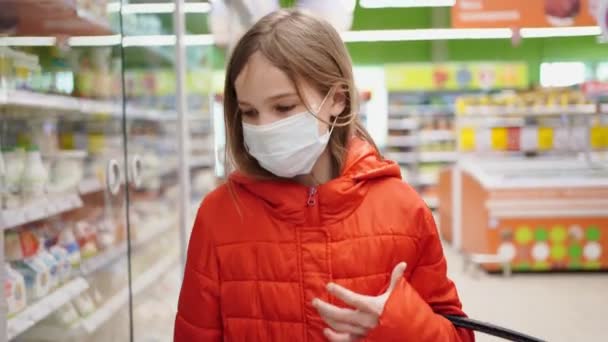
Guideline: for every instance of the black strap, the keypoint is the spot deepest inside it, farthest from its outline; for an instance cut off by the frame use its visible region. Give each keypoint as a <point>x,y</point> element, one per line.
<point>490,329</point>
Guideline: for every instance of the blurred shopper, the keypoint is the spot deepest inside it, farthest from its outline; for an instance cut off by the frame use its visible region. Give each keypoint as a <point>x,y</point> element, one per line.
<point>315,236</point>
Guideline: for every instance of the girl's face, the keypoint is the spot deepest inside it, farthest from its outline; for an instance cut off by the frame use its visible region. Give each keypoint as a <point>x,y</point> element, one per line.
<point>265,94</point>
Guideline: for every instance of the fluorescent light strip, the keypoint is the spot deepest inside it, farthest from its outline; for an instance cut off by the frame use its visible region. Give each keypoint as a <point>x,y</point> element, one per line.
<point>575,31</point>
<point>28,41</point>
<point>154,40</point>
<point>154,8</point>
<point>424,34</point>
<point>95,40</point>
<point>405,3</point>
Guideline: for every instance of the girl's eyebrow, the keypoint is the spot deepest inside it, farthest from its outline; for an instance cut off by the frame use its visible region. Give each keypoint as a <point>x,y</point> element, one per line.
<point>279,96</point>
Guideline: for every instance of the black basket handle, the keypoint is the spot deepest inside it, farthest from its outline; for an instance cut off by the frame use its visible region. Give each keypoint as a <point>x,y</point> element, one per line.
<point>490,329</point>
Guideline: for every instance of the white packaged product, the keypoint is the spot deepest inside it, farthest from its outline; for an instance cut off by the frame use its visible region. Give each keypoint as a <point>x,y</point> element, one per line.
<point>35,176</point>
<point>14,163</point>
<point>64,264</point>
<point>84,304</point>
<point>14,290</point>
<point>36,275</point>
<point>52,265</point>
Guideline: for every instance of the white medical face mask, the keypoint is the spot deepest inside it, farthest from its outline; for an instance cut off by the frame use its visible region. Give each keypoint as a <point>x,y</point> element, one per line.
<point>288,147</point>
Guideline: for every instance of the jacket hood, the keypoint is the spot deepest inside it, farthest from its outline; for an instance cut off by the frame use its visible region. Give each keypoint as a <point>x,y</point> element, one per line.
<point>335,200</point>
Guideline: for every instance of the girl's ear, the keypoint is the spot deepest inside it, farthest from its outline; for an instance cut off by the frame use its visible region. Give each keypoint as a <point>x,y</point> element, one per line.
<point>338,102</point>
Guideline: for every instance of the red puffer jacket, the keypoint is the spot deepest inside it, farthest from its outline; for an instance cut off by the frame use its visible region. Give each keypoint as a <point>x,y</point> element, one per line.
<point>261,251</point>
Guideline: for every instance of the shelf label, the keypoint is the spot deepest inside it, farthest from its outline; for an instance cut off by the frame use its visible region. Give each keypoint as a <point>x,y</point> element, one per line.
<point>467,139</point>
<point>483,139</point>
<point>513,141</point>
<point>545,138</point>
<point>529,138</point>
<point>499,138</point>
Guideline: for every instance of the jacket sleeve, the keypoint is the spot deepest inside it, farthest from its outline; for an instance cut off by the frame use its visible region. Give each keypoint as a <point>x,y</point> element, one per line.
<point>414,308</point>
<point>198,313</point>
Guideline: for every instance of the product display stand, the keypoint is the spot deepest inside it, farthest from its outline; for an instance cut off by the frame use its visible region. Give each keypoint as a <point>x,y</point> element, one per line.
<point>530,191</point>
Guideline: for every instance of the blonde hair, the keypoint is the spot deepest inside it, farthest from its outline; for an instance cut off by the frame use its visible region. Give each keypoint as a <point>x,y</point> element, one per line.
<point>306,49</point>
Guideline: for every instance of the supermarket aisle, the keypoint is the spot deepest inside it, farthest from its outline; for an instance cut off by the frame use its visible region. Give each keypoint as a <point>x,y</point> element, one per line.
<point>556,307</point>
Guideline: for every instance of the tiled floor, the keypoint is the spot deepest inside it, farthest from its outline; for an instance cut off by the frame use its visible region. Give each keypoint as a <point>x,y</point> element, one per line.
<point>556,307</point>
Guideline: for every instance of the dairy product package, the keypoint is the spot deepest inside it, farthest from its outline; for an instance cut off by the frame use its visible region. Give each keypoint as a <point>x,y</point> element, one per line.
<point>63,262</point>
<point>36,275</point>
<point>84,304</point>
<point>69,243</point>
<point>53,266</point>
<point>14,290</point>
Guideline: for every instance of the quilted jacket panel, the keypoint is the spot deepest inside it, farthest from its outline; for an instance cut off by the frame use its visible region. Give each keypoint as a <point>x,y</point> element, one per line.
<point>260,253</point>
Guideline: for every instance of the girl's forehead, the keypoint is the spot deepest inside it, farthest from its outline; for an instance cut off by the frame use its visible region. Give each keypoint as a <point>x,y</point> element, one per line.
<point>260,78</point>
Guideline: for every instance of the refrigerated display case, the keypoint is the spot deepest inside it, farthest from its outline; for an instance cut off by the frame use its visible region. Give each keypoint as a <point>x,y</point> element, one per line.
<point>530,189</point>
<point>89,173</point>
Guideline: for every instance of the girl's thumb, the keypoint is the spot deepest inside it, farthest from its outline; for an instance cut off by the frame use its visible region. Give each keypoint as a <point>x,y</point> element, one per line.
<point>396,275</point>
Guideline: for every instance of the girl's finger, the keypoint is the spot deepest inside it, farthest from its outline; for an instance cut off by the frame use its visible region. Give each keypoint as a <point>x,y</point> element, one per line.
<point>337,337</point>
<point>346,328</point>
<point>343,315</point>
<point>396,275</point>
<point>356,300</point>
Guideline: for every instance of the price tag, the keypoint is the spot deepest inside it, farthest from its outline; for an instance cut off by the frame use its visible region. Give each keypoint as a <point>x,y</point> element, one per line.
<point>483,138</point>
<point>529,138</point>
<point>545,138</point>
<point>467,139</point>
<point>500,138</point>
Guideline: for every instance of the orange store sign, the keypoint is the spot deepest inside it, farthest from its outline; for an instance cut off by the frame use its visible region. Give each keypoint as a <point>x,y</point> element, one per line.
<point>524,13</point>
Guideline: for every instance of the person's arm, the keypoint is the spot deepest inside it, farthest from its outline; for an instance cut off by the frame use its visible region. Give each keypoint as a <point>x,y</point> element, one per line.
<point>414,308</point>
<point>198,314</point>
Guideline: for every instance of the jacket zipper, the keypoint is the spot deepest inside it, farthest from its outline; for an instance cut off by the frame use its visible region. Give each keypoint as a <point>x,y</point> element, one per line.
<point>312,200</point>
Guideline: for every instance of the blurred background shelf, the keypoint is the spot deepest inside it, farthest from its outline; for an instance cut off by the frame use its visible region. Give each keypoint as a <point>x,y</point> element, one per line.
<point>39,209</point>
<point>39,310</point>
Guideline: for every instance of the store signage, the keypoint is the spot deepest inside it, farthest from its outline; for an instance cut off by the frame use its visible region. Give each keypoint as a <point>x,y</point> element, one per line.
<point>456,76</point>
<point>524,13</point>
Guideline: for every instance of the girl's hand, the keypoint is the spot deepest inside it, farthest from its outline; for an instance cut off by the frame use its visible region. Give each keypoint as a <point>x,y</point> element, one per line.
<point>353,324</point>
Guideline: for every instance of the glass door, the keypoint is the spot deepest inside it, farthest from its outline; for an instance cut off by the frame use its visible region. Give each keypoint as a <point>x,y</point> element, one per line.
<point>153,132</point>
<point>63,173</point>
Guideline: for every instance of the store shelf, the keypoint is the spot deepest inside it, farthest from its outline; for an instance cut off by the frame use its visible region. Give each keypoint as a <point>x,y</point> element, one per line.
<point>201,161</point>
<point>103,259</point>
<point>437,135</point>
<point>44,307</point>
<point>120,299</point>
<point>426,179</point>
<point>112,255</point>
<point>54,17</point>
<point>38,210</point>
<point>434,157</point>
<point>402,124</point>
<point>403,141</point>
<point>24,98</point>
<point>420,110</point>
<point>505,111</point>
<point>402,157</point>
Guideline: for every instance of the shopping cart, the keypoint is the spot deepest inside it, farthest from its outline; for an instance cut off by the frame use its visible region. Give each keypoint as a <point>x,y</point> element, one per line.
<point>490,329</point>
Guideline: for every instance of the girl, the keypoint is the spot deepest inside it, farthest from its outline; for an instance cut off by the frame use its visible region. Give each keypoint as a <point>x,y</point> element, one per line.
<point>315,236</point>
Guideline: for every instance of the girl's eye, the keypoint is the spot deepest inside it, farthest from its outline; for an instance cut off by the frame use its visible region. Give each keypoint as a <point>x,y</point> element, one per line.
<point>285,109</point>
<point>248,113</point>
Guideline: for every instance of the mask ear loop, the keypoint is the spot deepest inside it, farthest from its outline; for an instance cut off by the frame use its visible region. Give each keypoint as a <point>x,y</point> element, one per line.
<point>321,107</point>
